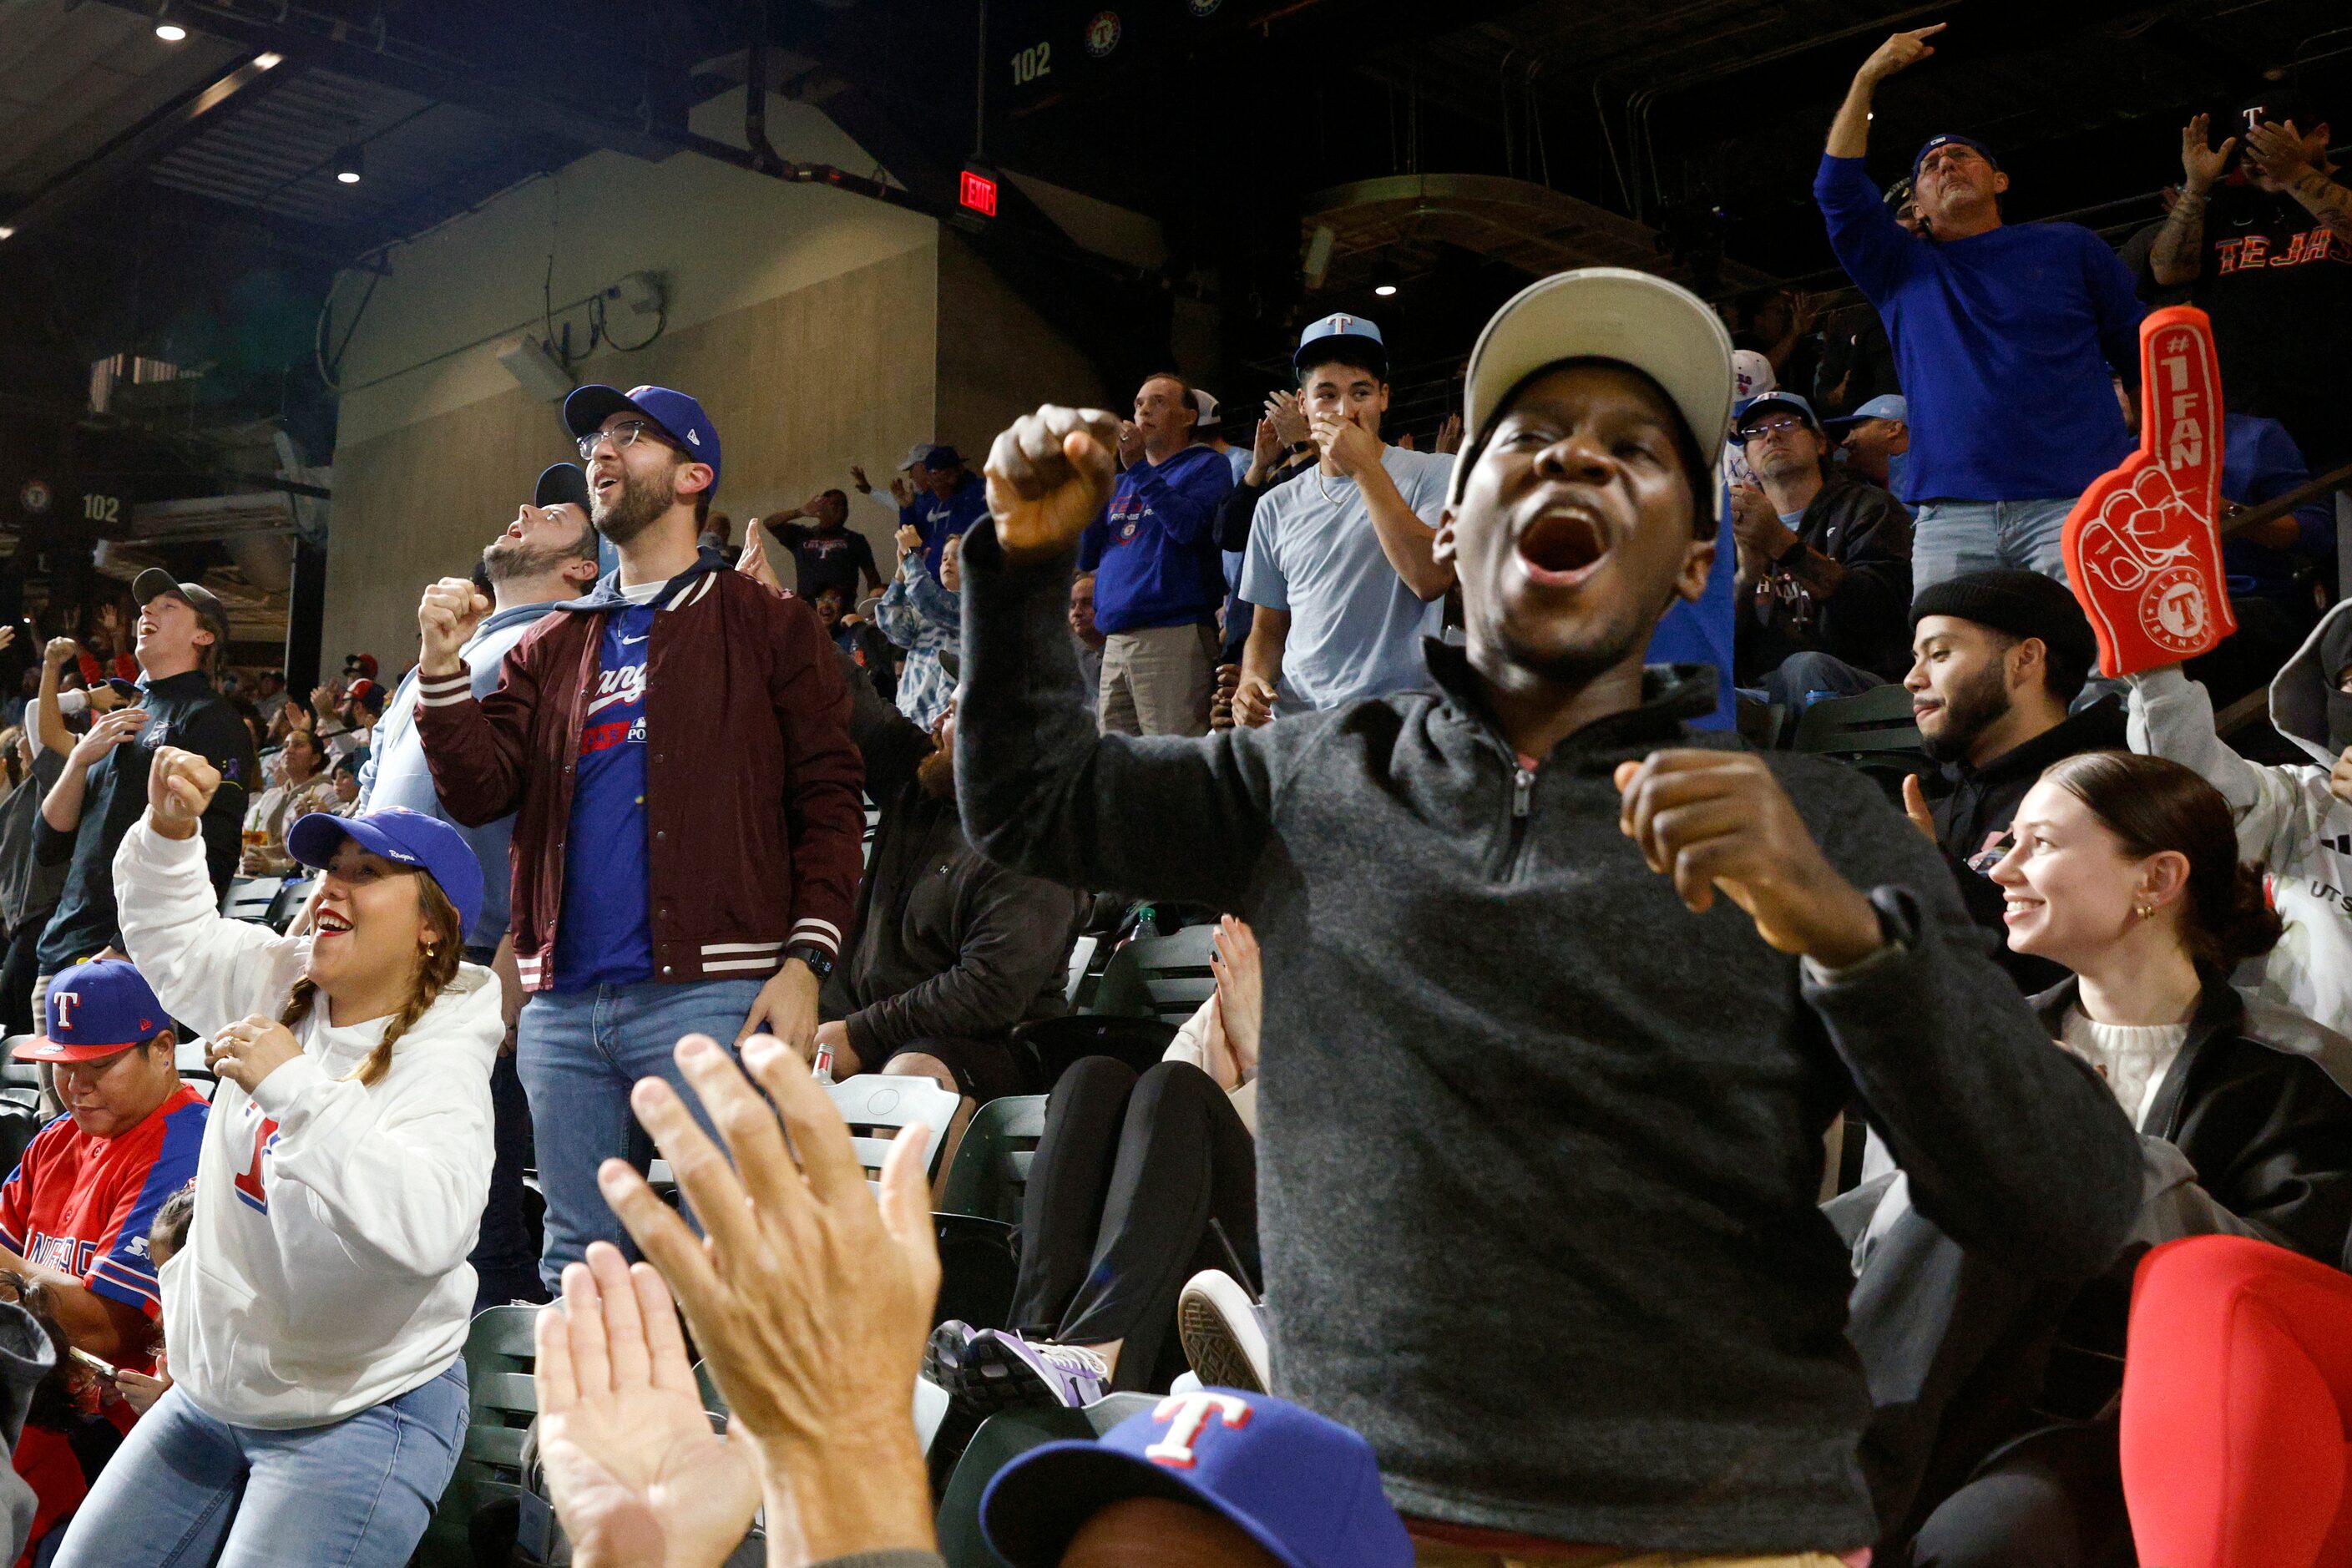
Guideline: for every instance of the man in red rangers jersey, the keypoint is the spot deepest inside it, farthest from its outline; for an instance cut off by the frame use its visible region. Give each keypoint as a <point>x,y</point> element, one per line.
<point>75,1212</point>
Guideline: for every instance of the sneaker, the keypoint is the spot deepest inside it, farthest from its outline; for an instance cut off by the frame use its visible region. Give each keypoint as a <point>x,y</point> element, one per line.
<point>1223,1336</point>
<point>989,1370</point>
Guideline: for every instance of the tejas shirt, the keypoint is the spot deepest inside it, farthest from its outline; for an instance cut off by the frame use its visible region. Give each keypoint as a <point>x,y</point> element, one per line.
<point>2005,341</point>
<point>604,936</point>
<point>1153,551</point>
<point>83,1205</point>
<point>2278,285</point>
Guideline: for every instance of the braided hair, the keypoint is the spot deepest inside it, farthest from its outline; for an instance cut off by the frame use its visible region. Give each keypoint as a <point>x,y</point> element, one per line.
<point>436,967</point>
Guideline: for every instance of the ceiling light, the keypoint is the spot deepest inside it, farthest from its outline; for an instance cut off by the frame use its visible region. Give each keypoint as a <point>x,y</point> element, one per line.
<point>347,164</point>
<point>270,61</point>
<point>171,32</point>
<point>1384,290</point>
<point>6,232</point>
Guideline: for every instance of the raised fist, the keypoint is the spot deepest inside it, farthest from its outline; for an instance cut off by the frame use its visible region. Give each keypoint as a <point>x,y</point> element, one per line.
<point>1048,477</point>
<point>180,786</point>
<point>60,652</point>
<point>451,609</point>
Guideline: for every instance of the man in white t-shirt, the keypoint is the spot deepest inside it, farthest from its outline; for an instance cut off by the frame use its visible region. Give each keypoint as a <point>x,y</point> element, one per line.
<point>1339,564</point>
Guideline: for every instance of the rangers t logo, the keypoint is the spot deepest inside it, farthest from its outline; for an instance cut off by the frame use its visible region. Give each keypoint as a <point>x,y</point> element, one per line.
<point>1189,1417</point>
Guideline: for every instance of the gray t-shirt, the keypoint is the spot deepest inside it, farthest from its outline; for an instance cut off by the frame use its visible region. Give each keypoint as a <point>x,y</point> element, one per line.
<point>1355,627</point>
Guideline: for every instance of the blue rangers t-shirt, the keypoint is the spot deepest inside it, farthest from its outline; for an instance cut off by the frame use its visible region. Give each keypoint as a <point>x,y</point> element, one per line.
<point>604,935</point>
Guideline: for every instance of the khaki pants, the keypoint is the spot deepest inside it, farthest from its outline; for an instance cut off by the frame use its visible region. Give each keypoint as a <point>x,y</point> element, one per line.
<point>1157,681</point>
<point>1432,1555</point>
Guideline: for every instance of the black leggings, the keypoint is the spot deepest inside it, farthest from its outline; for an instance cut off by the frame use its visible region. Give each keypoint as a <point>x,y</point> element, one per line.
<point>1125,1179</point>
<point>17,974</point>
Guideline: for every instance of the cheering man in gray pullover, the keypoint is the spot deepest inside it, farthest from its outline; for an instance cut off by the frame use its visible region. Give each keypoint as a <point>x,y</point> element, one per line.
<point>1559,995</point>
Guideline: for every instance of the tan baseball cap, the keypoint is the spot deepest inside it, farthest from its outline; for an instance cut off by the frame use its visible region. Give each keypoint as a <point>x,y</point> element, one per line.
<point>1601,313</point>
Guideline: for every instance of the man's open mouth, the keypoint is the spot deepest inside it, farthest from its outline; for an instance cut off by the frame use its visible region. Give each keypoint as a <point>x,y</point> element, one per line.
<point>1562,547</point>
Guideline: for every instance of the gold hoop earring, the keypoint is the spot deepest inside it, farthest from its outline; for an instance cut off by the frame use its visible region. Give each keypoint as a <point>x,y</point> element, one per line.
<point>2144,910</point>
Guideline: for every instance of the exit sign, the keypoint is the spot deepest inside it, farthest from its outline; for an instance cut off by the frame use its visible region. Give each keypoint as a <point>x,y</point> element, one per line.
<point>976,192</point>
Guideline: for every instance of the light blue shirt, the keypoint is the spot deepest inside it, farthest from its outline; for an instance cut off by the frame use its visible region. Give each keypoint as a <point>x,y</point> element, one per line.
<point>396,772</point>
<point>1355,627</point>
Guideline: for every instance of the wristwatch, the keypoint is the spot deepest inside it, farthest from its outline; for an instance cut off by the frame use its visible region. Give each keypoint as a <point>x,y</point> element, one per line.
<point>820,961</point>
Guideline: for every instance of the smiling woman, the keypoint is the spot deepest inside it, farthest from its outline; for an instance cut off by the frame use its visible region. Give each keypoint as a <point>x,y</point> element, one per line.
<point>342,1173</point>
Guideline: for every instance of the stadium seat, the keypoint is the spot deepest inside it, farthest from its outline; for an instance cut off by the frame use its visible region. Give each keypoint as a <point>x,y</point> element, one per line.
<point>1082,956</point>
<point>1001,1438</point>
<point>1051,1045</point>
<point>1874,732</point>
<point>876,1105</point>
<point>251,898</point>
<point>991,1172</point>
<point>1165,977</point>
<point>498,1358</point>
<point>291,897</point>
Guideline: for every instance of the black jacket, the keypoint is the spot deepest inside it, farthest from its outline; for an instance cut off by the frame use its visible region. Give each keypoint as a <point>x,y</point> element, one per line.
<point>1843,588</point>
<point>183,710</point>
<point>1544,1229</point>
<point>947,945</point>
<point>1972,822</point>
<point>1963,1354</point>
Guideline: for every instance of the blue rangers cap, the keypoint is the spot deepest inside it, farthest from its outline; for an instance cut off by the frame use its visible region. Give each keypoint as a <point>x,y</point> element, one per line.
<point>1305,1487</point>
<point>404,838</point>
<point>1360,334</point>
<point>679,416</point>
<point>94,1010</point>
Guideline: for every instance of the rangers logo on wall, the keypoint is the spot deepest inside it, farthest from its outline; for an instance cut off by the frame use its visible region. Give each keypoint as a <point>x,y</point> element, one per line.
<point>1102,34</point>
<point>35,498</point>
<point>1204,8</point>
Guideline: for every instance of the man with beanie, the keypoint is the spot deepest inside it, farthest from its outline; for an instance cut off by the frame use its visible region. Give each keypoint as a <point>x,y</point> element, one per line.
<point>1655,1364</point>
<point>1997,659</point>
<point>2004,337</point>
<point>2295,820</point>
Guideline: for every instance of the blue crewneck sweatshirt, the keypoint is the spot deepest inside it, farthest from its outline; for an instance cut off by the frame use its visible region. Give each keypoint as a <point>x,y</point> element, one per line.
<point>2003,341</point>
<point>1153,553</point>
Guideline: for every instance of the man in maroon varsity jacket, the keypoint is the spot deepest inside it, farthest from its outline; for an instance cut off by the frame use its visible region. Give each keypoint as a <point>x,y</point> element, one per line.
<point>675,747</point>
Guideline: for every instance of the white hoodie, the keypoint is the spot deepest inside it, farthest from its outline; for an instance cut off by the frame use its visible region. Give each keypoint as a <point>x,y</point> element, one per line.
<point>325,1270</point>
<point>2287,819</point>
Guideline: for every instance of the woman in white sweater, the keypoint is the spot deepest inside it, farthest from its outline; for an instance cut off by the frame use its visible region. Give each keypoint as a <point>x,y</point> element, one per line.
<point>317,1313</point>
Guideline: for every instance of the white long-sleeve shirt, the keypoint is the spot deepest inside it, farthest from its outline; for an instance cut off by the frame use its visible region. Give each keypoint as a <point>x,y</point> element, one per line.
<point>325,1270</point>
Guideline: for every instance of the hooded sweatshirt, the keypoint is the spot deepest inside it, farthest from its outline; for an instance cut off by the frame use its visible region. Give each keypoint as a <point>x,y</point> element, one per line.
<point>2288,818</point>
<point>325,1270</point>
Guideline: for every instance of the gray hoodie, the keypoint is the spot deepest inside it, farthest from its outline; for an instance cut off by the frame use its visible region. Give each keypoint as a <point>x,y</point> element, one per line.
<point>1539,1147</point>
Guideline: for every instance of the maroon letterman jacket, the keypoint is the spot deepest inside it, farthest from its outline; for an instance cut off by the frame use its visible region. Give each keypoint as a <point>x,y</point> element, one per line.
<point>752,782</point>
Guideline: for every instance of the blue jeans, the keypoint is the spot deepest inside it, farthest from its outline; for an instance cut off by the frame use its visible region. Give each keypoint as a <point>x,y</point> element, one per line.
<point>355,1493</point>
<point>1950,537</point>
<point>579,1053</point>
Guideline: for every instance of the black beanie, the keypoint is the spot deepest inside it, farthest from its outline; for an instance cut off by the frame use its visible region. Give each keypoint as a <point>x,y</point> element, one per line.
<point>2022,604</point>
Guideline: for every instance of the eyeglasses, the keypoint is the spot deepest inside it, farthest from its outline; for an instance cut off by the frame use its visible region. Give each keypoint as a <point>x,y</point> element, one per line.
<point>624,436</point>
<point>1757,432</point>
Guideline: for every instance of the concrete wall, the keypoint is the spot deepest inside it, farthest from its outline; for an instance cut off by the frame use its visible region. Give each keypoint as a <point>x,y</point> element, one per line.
<point>998,359</point>
<point>803,317</point>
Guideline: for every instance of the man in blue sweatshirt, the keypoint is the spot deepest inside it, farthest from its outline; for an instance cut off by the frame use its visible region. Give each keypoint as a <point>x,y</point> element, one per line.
<point>1157,577</point>
<point>2003,337</point>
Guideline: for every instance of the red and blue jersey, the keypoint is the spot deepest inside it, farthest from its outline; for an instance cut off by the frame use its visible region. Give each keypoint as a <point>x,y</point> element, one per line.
<point>605,933</point>
<point>83,1205</point>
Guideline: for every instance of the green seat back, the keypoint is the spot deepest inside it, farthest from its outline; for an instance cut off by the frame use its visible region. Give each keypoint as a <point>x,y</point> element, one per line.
<point>1165,977</point>
<point>991,1173</point>
<point>1001,1438</point>
<point>499,1360</point>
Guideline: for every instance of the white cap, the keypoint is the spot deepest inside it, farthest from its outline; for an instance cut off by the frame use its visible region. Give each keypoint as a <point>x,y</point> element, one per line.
<point>1204,405</point>
<point>1751,374</point>
<point>914,455</point>
<point>1601,313</point>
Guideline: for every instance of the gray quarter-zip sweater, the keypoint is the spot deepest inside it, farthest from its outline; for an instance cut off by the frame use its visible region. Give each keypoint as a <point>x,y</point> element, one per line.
<point>1538,1148</point>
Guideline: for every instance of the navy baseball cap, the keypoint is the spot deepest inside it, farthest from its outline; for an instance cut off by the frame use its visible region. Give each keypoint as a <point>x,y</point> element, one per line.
<point>94,1010</point>
<point>681,418</point>
<point>1361,333</point>
<point>1306,1489</point>
<point>1885,405</point>
<point>942,455</point>
<point>1764,402</point>
<point>562,483</point>
<point>404,838</point>
<point>1944,140</point>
